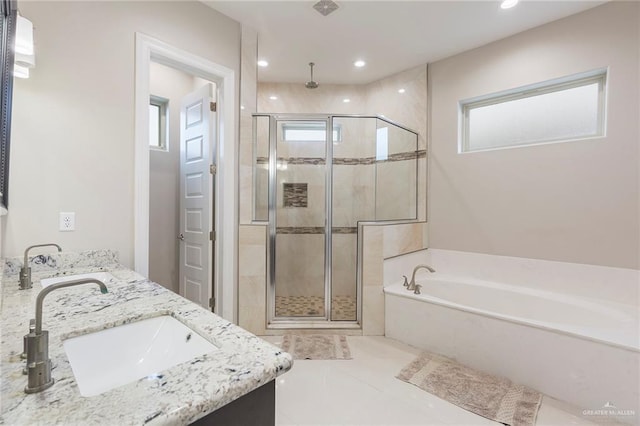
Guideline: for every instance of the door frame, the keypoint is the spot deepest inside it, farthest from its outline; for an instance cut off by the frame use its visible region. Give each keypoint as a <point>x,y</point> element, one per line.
<point>225,265</point>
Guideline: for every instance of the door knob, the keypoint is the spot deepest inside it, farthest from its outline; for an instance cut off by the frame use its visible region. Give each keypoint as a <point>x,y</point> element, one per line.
<point>181,237</point>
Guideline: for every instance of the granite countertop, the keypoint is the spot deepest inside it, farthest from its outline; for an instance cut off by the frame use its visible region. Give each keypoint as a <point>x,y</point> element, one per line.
<point>179,395</point>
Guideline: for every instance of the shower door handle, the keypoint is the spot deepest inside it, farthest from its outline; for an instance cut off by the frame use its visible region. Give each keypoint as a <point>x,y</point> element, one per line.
<point>181,237</point>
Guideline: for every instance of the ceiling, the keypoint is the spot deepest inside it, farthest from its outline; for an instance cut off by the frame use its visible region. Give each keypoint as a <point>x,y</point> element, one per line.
<point>390,36</point>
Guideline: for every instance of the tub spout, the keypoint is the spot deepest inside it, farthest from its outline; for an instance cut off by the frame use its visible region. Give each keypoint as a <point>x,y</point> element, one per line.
<point>406,281</point>
<point>412,284</point>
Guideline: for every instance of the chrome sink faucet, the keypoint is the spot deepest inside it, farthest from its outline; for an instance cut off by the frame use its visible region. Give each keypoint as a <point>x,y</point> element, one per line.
<point>412,284</point>
<point>37,341</point>
<point>25,271</point>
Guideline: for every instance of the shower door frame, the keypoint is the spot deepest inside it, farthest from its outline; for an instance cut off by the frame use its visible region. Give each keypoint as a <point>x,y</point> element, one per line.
<point>274,322</point>
<point>287,322</point>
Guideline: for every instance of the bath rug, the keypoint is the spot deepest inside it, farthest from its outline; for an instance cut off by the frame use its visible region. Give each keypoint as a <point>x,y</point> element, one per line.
<point>316,346</point>
<point>489,396</point>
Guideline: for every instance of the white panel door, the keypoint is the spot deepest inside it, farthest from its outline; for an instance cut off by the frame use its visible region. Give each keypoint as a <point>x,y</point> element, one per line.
<point>197,145</point>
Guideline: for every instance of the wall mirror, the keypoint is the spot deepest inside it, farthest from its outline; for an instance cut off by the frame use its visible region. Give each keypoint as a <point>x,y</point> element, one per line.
<point>8,10</point>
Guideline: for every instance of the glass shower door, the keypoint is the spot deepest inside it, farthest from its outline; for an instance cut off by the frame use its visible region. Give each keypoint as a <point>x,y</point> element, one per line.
<point>353,200</point>
<point>298,219</point>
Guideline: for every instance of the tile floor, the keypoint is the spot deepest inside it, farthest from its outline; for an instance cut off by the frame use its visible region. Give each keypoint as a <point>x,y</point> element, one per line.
<point>364,391</point>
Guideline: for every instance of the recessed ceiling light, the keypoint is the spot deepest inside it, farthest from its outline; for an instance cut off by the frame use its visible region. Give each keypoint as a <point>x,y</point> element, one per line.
<point>241,106</point>
<point>359,63</point>
<point>262,63</point>
<point>508,4</point>
<point>401,90</point>
<point>273,98</point>
<point>346,100</point>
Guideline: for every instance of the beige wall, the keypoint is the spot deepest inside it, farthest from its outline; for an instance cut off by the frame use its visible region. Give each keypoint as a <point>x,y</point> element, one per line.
<point>73,120</point>
<point>574,201</point>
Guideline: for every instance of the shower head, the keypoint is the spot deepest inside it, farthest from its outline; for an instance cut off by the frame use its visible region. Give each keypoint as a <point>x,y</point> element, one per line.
<point>311,84</point>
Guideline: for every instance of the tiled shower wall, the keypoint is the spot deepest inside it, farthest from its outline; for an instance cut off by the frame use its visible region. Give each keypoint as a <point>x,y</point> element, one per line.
<point>378,98</point>
<point>381,242</point>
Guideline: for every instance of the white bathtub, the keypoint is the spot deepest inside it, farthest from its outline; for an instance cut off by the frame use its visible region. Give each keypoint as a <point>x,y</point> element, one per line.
<point>585,351</point>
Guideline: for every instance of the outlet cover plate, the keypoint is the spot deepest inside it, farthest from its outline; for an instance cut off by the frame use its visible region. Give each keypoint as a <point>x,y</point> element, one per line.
<point>67,221</point>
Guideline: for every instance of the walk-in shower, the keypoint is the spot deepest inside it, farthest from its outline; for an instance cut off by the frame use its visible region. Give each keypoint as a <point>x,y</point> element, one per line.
<point>313,186</point>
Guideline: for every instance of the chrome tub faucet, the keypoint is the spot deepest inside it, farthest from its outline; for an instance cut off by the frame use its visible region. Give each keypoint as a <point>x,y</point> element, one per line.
<point>37,341</point>
<point>25,271</point>
<point>412,284</point>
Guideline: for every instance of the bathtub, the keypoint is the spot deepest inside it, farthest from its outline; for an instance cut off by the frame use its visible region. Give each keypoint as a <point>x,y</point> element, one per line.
<point>585,351</point>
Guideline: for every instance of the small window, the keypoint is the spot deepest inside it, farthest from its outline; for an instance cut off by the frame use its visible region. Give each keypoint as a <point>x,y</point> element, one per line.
<point>158,123</point>
<point>309,132</point>
<point>561,110</point>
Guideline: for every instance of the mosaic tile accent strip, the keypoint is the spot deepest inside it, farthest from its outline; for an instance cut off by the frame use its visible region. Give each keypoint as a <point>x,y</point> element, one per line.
<point>343,308</point>
<point>309,161</point>
<point>300,230</point>
<point>315,230</point>
<point>354,161</point>
<point>345,229</point>
<point>364,161</point>
<point>294,194</point>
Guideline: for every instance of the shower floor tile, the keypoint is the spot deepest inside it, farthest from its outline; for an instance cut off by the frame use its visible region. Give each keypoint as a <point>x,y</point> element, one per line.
<point>343,308</point>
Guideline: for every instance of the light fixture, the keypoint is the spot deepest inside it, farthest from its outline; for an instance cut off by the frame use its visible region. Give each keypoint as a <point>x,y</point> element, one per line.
<point>359,63</point>
<point>241,106</point>
<point>508,4</point>
<point>401,90</point>
<point>346,100</point>
<point>273,98</point>
<point>24,53</point>
<point>262,63</point>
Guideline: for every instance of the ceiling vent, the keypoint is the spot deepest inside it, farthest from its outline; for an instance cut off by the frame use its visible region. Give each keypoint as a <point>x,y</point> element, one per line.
<point>325,7</point>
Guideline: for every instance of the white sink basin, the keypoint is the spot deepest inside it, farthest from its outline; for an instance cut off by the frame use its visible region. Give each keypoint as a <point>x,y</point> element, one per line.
<point>110,358</point>
<point>102,276</point>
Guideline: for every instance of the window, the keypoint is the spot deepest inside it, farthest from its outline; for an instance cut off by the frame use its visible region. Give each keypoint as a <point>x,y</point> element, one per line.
<point>309,132</point>
<point>555,111</point>
<point>158,123</point>
<point>382,143</point>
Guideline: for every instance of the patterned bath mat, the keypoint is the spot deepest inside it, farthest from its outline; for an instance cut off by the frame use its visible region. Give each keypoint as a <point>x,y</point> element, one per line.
<point>316,346</point>
<point>489,396</point>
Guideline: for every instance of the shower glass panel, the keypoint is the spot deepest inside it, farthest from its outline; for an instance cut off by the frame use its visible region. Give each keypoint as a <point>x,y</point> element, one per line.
<point>261,168</point>
<point>299,219</point>
<point>353,196</point>
<point>314,186</point>
<point>396,172</point>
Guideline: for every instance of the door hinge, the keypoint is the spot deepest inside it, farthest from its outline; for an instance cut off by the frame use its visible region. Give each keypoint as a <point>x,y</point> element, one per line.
<point>212,302</point>
<point>213,106</point>
<point>212,235</point>
<point>213,169</point>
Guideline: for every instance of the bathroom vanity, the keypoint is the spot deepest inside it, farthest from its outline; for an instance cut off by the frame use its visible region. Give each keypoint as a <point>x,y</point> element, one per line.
<point>232,384</point>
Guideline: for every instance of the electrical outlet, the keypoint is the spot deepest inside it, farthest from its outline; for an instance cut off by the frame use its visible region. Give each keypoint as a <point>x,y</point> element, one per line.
<point>67,221</point>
